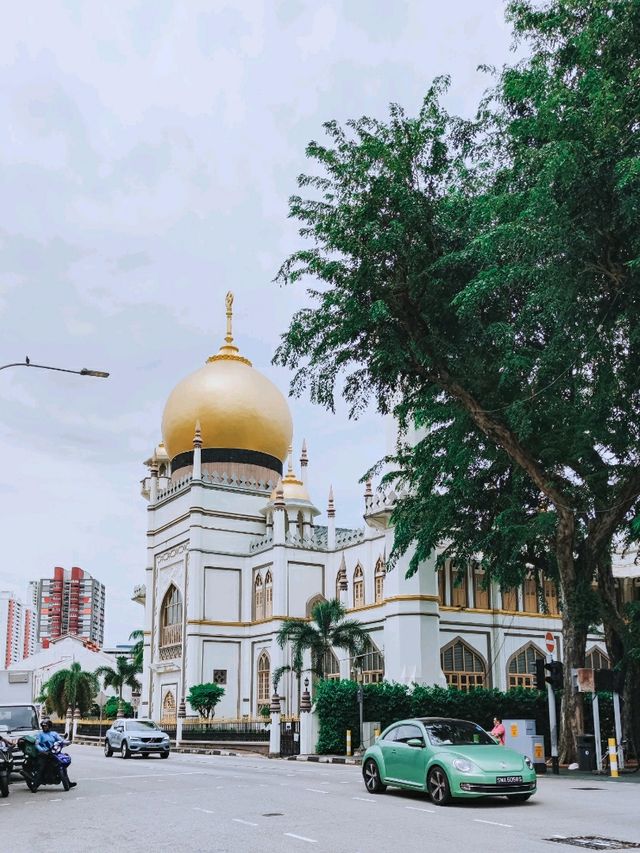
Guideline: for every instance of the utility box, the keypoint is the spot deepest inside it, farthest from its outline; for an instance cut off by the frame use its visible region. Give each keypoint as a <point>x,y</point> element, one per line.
<point>521,736</point>
<point>586,752</point>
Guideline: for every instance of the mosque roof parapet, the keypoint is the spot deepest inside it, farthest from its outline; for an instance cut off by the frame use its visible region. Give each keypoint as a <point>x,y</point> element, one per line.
<point>348,537</point>
<point>297,541</point>
<point>261,544</point>
<point>226,480</point>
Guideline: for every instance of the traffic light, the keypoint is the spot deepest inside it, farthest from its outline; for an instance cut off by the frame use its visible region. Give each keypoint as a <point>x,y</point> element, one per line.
<point>555,675</point>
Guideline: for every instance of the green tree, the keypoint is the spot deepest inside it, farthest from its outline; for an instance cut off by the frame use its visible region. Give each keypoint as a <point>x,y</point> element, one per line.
<point>480,278</point>
<point>203,698</point>
<point>69,688</point>
<point>124,675</point>
<point>327,630</point>
<point>137,650</point>
<point>110,710</point>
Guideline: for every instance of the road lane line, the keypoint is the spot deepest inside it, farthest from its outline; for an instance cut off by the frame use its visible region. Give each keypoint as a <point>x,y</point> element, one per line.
<point>363,799</point>
<point>316,790</point>
<point>206,811</point>
<point>416,809</point>
<point>493,823</point>
<point>245,822</point>
<point>302,837</point>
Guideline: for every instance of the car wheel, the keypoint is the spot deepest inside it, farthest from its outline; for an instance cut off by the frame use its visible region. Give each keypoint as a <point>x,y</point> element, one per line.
<point>164,755</point>
<point>518,798</point>
<point>124,750</point>
<point>371,776</point>
<point>108,751</point>
<point>438,786</point>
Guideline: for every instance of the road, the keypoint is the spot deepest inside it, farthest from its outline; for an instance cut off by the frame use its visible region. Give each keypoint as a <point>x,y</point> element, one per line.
<point>193,803</point>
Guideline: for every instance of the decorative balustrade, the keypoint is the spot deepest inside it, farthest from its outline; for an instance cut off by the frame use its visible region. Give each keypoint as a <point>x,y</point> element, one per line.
<point>170,642</point>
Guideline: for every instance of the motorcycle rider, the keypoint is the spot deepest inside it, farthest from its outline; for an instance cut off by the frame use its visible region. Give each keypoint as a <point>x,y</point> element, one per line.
<point>44,742</point>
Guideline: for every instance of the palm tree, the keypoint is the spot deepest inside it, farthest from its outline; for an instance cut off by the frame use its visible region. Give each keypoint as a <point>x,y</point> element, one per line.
<point>70,688</point>
<point>137,650</point>
<point>124,675</point>
<point>327,630</point>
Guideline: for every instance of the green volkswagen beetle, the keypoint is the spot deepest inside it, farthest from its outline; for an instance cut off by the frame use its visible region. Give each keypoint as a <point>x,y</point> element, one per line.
<point>446,758</point>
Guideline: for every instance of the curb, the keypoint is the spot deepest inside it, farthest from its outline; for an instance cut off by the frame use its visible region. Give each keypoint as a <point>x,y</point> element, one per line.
<point>325,759</point>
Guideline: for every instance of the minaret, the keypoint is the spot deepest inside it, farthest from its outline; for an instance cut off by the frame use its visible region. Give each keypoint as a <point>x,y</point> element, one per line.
<point>344,586</point>
<point>331,522</point>
<point>153,490</point>
<point>304,462</point>
<point>368,496</point>
<point>279,509</point>
<point>197,453</point>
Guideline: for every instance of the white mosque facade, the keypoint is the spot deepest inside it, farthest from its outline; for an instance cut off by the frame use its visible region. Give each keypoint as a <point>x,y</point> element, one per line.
<point>234,547</point>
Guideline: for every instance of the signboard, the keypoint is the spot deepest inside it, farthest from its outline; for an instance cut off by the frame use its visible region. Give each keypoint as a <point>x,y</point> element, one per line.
<point>538,751</point>
<point>101,699</point>
<point>550,642</point>
<point>514,730</point>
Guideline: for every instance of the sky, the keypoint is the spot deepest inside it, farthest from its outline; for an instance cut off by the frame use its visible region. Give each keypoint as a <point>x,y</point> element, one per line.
<point>148,152</point>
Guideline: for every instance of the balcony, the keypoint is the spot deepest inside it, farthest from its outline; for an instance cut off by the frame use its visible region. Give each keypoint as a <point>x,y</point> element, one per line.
<point>139,594</point>
<point>171,642</point>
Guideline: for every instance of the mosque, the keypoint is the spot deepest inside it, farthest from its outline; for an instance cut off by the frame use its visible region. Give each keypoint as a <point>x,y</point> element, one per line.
<point>234,547</point>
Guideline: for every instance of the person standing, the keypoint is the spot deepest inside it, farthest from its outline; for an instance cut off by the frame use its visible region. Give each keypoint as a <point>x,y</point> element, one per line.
<point>498,730</point>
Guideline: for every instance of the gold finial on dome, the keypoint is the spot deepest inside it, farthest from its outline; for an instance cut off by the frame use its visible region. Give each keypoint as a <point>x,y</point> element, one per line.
<point>229,351</point>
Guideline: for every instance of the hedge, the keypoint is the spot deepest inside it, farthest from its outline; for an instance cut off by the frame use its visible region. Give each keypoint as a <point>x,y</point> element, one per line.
<point>336,704</point>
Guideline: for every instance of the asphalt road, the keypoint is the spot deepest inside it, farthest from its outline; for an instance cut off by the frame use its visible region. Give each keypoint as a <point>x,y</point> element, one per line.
<point>192,803</point>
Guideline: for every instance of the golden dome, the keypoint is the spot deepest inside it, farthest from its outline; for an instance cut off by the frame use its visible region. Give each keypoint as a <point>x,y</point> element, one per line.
<point>238,408</point>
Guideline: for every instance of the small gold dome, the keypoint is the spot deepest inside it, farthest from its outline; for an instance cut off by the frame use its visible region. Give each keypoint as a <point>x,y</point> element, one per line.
<point>292,488</point>
<point>237,407</point>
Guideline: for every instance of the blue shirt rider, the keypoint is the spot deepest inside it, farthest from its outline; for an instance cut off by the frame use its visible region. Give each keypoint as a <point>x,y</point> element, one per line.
<point>45,740</point>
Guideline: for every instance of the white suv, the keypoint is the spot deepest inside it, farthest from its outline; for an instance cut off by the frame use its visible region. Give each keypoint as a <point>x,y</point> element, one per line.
<point>136,737</point>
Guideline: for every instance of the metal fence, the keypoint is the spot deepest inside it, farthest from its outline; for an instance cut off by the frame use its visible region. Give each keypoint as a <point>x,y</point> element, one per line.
<point>240,730</point>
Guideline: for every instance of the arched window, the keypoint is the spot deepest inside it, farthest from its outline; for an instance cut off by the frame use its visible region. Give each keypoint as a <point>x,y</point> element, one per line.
<point>330,666</point>
<point>521,669</point>
<point>462,666</point>
<point>370,663</point>
<point>379,580</point>
<point>171,624</point>
<point>268,595</point>
<point>300,526</point>
<point>258,597</point>
<point>264,678</point>
<point>358,586</point>
<point>596,659</point>
<point>316,599</point>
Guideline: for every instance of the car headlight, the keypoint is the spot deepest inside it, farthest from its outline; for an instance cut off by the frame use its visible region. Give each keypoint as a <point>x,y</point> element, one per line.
<point>463,765</point>
<point>528,762</point>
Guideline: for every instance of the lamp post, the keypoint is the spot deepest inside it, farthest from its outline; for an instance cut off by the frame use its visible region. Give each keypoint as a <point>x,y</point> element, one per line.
<point>83,372</point>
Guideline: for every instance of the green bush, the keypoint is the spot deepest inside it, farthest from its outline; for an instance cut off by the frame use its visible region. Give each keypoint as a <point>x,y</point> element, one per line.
<point>384,703</point>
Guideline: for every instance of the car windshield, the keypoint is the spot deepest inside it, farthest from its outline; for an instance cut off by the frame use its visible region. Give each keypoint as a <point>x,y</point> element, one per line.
<point>21,717</point>
<point>140,725</point>
<point>457,733</point>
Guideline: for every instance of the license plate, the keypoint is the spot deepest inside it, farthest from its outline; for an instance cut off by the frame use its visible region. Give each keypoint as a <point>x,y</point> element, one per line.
<point>508,780</point>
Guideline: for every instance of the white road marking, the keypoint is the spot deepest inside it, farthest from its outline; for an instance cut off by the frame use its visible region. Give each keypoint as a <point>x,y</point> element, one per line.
<point>493,823</point>
<point>206,811</point>
<point>117,776</point>
<point>316,791</point>
<point>245,822</point>
<point>363,799</point>
<point>301,837</point>
<point>416,809</point>
<point>56,800</point>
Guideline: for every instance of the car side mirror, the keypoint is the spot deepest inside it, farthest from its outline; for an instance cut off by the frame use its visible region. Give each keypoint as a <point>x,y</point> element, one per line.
<point>416,741</point>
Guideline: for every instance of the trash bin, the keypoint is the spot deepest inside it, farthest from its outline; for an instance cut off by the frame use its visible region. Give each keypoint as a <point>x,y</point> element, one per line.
<point>586,752</point>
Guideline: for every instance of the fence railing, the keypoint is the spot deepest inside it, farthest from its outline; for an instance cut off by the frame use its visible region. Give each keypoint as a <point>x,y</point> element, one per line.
<point>195,729</point>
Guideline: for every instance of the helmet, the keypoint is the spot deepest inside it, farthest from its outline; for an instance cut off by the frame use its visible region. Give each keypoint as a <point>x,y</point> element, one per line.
<point>45,724</point>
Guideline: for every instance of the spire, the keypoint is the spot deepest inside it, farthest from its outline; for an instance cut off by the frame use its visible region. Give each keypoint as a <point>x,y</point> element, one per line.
<point>279,501</point>
<point>229,351</point>
<point>368,495</point>
<point>197,436</point>
<point>331,510</point>
<point>304,462</point>
<point>290,462</point>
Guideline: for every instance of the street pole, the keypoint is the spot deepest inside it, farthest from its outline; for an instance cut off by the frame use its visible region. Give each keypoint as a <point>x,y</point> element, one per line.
<point>618,727</point>
<point>101,374</point>
<point>553,724</point>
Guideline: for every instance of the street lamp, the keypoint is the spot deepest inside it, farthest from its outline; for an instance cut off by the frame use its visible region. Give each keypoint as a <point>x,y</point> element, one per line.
<point>84,372</point>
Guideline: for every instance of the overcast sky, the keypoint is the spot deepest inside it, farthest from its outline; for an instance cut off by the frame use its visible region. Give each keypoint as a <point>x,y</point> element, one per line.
<point>147,154</point>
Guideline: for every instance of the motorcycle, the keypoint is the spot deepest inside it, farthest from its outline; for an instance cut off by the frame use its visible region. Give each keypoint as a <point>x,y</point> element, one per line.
<point>55,770</point>
<point>6,766</point>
